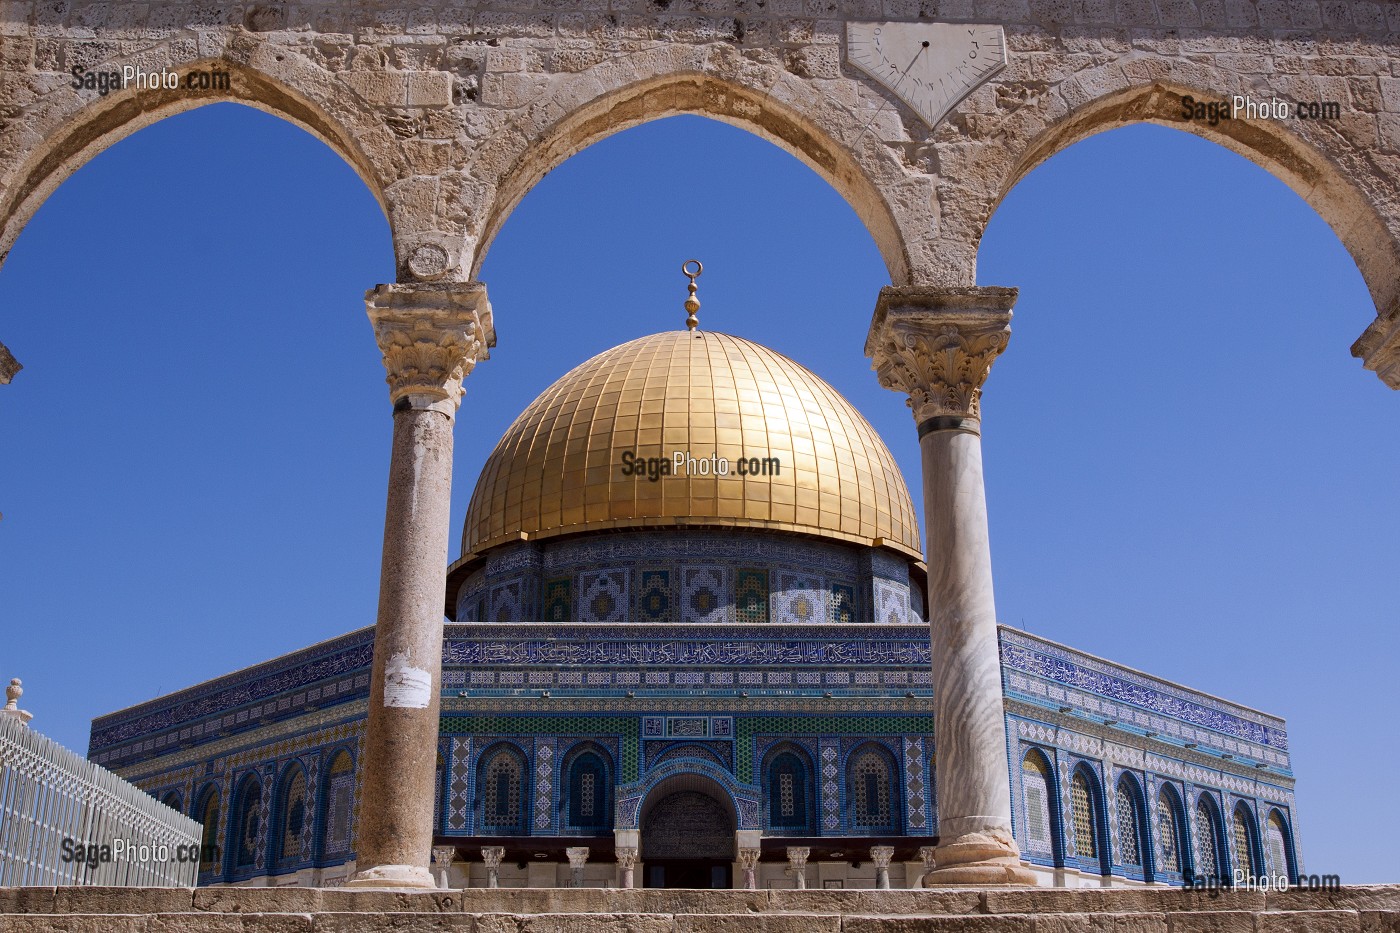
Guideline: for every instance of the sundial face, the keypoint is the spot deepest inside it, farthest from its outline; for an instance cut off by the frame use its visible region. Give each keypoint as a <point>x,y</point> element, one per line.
<point>929,66</point>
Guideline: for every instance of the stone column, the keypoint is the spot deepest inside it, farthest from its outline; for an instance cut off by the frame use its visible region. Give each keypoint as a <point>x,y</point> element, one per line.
<point>926,855</point>
<point>442,858</point>
<point>431,337</point>
<point>797,865</point>
<point>937,345</point>
<point>881,856</point>
<point>626,866</point>
<point>492,856</point>
<point>748,863</point>
<point>578,857</point>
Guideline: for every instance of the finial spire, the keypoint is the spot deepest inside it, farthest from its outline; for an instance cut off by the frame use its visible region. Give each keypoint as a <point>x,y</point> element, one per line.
<point>692,304</point>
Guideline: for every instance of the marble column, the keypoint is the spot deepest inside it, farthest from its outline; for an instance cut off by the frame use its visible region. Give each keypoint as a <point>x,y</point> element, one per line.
<point>797,865</point>
<point>881,856</point>
<point>442,858</point>
<point>431,337</point>
<point>937,345</point>
<point>578,858</point>
<point>748,863</point>
<point>626,866</point>
<point>492,856</point>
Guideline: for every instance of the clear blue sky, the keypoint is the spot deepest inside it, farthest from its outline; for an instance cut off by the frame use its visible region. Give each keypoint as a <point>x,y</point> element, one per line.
<point>1186,470</point>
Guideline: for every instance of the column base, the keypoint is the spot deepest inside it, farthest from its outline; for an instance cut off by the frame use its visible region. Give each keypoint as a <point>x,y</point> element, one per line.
<point>980,859</point>
<point>411,877</point>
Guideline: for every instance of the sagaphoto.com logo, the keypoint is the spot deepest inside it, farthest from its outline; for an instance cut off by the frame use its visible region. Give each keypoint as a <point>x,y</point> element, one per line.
<point>134,76</point>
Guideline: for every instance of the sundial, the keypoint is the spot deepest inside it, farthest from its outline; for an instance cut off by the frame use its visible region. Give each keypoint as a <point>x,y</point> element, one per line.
<point>929,66</point>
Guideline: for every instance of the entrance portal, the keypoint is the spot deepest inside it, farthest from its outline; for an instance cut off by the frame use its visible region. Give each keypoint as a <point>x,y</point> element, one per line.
<point>688,842</point>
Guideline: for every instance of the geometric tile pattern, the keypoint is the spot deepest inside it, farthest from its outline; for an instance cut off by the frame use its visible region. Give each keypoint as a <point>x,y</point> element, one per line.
<point>751,596</point>
<point>602,597</point>
<point>843,604</point>
<point>915,785</point>
<point>799,599</point>
<point>830,785</point>
<point>544,782</point>
<point>655,602</point>
<point>459,785</point>
<point>703,593</point>
<point>558,601</point>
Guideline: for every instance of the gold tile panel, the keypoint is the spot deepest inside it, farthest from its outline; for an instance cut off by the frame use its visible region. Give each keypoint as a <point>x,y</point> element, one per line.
<point>559,468</point>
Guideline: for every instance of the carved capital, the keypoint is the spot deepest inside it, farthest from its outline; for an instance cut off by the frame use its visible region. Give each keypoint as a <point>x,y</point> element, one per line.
<point>431,336</point>
<point>577,855</point>
<point>881,856</point>
<point>748,858</point>
<point>626,857</point>
<point>492,856</point>
<point>937,345</point>
<point>443,855</point>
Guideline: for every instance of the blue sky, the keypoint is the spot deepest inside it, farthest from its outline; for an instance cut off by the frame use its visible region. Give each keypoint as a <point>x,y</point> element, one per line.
<point>1187,472</point>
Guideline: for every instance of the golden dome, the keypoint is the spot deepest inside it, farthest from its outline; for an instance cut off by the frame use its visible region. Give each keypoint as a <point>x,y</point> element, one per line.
<point>567,463</point>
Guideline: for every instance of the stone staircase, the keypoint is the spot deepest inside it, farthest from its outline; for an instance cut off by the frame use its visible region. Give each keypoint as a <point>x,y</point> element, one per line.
<point>1374,909</point>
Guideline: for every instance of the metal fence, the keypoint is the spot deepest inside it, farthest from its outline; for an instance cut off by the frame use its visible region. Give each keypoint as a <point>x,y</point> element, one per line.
<point>64,820</point>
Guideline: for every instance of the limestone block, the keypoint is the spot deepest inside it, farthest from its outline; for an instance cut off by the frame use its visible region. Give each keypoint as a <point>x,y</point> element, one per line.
<point>361,900</point>
<point>73,923</point>
<point>1380,921</point>
<point>378,88</point>
<point>852,901</point>
<point>961,924</point>
<point>1119,900</point>
<point>375,922</point>
<point>1350,897</point>
<point>1318,921</point>
<point>429,89</point>
<point>1216,921</point>
<point>1101,923</point>
<point>757,923</point>
<point>104,900</point>
<point>34,900</point>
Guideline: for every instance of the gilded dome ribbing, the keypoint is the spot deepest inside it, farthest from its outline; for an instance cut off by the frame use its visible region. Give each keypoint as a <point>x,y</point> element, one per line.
<point>559,469</point>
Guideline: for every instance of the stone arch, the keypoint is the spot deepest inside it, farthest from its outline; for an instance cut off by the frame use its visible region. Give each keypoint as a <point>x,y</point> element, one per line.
<point>1330,169</point>
<point>678,789</point>
<point>71,130</point>
<point>896,206</point>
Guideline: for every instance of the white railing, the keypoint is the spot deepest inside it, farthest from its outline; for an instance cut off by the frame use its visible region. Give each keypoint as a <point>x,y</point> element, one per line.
<point>64,820</point>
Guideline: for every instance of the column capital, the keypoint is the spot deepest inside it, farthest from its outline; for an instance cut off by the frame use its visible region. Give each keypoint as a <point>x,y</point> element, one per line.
<point>748,858</point>
<point>625,856</point>
<point>938,345</point>
<point>577,855</point>
<point>881,855</point>
<point>492,855</point>
<point>431,336</point>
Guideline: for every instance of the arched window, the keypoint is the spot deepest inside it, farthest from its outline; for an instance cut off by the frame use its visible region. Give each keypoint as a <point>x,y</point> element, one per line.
<point>501,791</point>
<point>173,801</point>
<point>1084,806</point>
<point>788,786</point>
<point>1242,839</point>
<point>208,814</point>
<point>245,823</point>
<point>338,807</point>
<point>1036,782</point>
<point>291,816</point>
<point>1280,847</point>
<point>590,792</point>
<point>870,786</point>
<point>1171,830</point>
<point>1128,829</point>
<point>1208,861</point>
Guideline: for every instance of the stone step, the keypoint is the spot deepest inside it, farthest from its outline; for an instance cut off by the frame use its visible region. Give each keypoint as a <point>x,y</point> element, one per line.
<point>1373,909</point>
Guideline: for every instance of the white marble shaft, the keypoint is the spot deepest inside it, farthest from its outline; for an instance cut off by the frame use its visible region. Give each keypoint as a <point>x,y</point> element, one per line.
<point>937,345</point>
<point>431,338</point>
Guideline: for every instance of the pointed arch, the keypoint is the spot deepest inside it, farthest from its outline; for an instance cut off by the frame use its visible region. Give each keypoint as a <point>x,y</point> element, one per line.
<point>1172,849</point>
<point>1130,831</point>
<point>1041,824</point>
<point>245,829</point>
<point>174,800</point>
<point>206,810</point>
<point>280,82</point>
<point>789,791</point>
<point>1246,859</point>
<point>1318,163</point>
<point>502,791</point>
<point>1209,859</point>
<point>1282,859</point>
<point>820,131</point>
<point>872,805</point>
<point>287,845</point>
<point>588,788</point>
<point>336,808</point>
<point>1088,820</point>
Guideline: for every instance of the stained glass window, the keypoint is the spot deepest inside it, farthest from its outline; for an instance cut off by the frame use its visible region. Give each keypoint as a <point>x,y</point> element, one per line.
<point>1168,832</point>
<point>293,810</point>
<point>588,792</point>
<point>338,803</point>
<point>245,825</point>
<point>209,836</point>
<point>1085,819</point>
<point>1130,852</point>
<point>1276,836</point>
<point>503,792</point>
<point>787,792</point>
<point>1243,838</point>
<point>1035,794</point>
<point>1206,841</point>
<point>870,786</point>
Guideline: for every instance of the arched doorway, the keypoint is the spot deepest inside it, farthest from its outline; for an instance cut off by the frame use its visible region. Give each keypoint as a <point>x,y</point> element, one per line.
<point>687,835</point>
